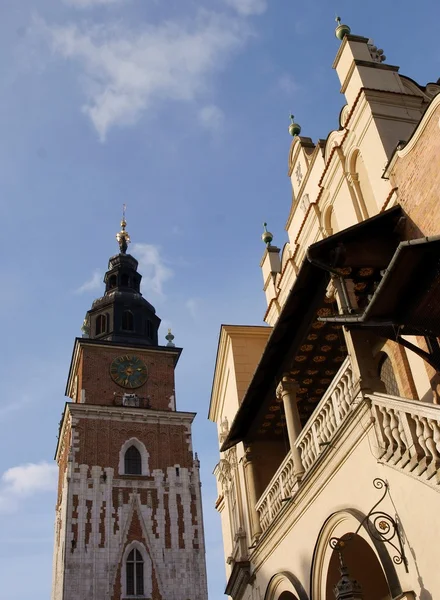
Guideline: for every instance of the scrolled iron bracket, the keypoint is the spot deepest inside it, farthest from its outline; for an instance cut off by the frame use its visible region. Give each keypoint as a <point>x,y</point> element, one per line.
<point>381,526</point>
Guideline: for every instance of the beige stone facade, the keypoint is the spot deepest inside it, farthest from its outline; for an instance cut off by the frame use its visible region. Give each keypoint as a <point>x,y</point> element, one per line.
<point>328,422</point>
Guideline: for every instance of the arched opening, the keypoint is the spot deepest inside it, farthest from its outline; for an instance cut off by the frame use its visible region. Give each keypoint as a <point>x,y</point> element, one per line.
<point>287,596</point>
<point>125,280</point>
<point>100,324</point>
<point>112,282</point>
<point>127,320</point>
<point>133,461</point>
<point>364,188</point>
<point>387,376</point>
<point>149,329</point>
<point>363,566</point>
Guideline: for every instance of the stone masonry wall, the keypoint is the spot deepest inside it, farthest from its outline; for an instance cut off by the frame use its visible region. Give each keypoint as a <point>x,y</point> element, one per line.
<point>105,511</point>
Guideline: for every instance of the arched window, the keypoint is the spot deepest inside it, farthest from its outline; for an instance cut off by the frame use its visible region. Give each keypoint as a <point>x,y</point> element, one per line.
<point>125,280</point>
<point>133,461</point>
<point>149,328</point>
<point>112,282</point>
<point>386,374</point>
<point>100,324</point>
<point>135,573</point>
<point>127,320</point>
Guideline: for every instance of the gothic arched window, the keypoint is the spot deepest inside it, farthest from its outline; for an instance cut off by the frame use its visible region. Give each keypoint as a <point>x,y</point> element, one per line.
<point>100,324</point>
<point>133,461</point>
<point>127,320</point>
<point>135,573</point>
<point>387,376</point>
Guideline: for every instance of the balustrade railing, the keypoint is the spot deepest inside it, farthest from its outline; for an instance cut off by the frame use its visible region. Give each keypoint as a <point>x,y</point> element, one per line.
<point>327,416</point>
<point>317,433</point>
<point>408,435</point>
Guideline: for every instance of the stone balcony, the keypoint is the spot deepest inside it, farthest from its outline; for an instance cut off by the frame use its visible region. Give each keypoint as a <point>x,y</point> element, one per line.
<point>407,436</point>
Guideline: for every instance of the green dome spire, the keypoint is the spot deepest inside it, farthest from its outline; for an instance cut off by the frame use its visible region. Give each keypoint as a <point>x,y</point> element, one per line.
<point>341,30</point>
<point>267,237</point>
<point>294,128</point>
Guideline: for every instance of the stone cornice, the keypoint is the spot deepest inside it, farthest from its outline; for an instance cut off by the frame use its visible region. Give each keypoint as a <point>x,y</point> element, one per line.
<point>125,413</point>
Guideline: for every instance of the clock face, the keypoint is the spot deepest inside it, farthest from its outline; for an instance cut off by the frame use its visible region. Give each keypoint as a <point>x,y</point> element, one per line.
<point>128,371</point>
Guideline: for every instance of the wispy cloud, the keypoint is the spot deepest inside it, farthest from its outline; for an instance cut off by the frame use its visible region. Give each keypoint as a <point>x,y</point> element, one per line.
<point>248,7</point>
<point>153,267</point>
<point>192,305</point>
<point>12,407</point>
<point>287,84</point>
<point>25,480</point>
<point>212,118</point>
<point>127,71</point>
<point>93,284</point>
<point>91,3</point>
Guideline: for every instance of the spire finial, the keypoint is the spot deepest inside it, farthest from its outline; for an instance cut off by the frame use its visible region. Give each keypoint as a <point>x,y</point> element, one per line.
<point>267,237</point>
<point>341,30</point>
<point>294,128</point>
<point>170,337</point>
<point>123,236</point>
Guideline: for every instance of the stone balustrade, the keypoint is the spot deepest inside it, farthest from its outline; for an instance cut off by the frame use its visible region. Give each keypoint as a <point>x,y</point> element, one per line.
<point>280,490</point>
<point>408,435</point>
<point>313,439</point>
<point>327,416</point>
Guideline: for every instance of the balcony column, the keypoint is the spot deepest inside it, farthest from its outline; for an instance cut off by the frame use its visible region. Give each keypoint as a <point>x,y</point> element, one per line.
<point>250,479</point>
<point>286,391</point>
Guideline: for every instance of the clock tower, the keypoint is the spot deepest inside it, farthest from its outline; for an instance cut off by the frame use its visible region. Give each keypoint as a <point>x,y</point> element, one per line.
<point>128,512</point>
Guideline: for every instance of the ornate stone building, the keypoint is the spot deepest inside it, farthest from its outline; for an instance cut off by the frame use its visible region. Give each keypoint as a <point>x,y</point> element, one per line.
<point>128,515</point>
<point>328,419</point>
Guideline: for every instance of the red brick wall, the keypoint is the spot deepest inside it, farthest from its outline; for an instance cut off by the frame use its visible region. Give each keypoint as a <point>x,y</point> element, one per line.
<point>94,376</point>
<point>417,177</point>
<point>100,443</point>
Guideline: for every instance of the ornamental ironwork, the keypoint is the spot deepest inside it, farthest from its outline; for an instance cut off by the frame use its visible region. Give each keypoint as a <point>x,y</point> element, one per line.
<point>381,526</point>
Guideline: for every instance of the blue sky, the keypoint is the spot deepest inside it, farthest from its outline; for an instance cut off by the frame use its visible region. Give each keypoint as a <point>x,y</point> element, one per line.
<point>178,108</point>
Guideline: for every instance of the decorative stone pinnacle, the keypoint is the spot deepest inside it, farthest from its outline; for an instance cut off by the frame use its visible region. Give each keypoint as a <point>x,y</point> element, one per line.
<point>123,236</point>
<point>170,338</point>
<point>267,237</point>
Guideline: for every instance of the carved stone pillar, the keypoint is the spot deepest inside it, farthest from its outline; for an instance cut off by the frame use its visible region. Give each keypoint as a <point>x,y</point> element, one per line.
<point>250,477</point>
<point>286,390</point>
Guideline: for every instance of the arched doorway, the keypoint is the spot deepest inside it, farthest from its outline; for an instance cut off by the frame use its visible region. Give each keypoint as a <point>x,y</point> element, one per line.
<point>287,596</point>
<point>363,565</point>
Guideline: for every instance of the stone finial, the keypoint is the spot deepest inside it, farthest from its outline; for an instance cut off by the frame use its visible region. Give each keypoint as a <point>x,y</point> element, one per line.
<point>170,337</point>
<point>341,30</point>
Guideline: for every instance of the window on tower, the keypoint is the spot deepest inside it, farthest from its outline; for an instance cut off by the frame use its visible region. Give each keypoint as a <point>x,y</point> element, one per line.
<point>112,282</point>
<point>125,280</point>
<point>135,574</point>
<point>100,324</point>
<point>133,461</point>
<point>127,320</point>
<point>149,329</point>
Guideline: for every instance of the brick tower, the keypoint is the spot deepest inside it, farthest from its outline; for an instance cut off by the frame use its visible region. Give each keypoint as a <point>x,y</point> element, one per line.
<point>128,513</point>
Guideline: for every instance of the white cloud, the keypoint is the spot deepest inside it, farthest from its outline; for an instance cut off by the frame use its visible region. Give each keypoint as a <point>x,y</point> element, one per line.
<point>155,271</point>
<point>248,7</point>
<point>25,480</point>
<point>212,118</point>
<point>287,84</point>
<point>90,3</point>
<point>93,284</point>
<point>127,71</point>
<point>192,305</point>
